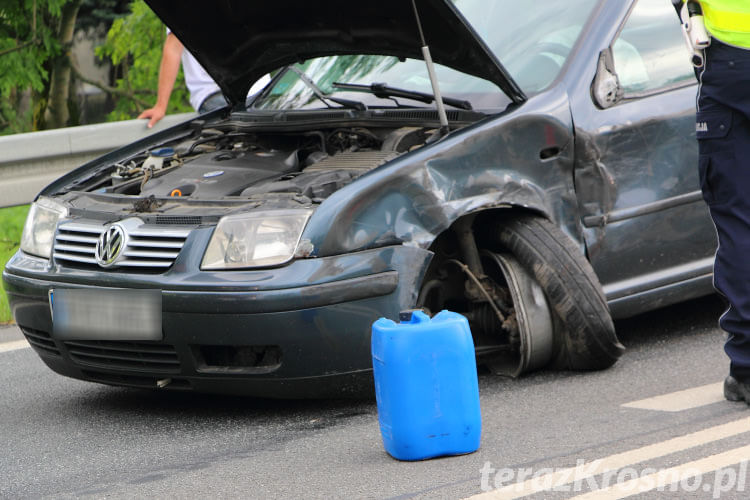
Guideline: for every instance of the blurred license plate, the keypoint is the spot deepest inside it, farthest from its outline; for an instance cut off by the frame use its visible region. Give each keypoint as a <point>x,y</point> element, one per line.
<point>106,314</point>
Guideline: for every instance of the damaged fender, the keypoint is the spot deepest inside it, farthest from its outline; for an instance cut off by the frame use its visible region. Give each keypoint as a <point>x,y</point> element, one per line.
<point>516,159</point>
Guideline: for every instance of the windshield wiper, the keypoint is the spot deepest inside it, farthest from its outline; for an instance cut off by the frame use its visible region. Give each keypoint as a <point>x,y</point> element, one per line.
<point>347,103</point>
<point>383,91</point>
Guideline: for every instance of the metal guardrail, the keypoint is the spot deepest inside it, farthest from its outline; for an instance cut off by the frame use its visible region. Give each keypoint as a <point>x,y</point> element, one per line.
<point>28,162</point>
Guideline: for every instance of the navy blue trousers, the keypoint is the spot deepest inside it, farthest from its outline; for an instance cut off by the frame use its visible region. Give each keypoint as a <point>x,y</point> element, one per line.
<point>723,131</point>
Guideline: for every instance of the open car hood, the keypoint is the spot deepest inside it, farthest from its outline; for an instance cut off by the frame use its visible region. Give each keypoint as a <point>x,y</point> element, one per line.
<point>237,42</point>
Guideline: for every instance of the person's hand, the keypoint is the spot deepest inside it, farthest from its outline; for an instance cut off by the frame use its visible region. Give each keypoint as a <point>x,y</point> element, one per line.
<point>153,114</point>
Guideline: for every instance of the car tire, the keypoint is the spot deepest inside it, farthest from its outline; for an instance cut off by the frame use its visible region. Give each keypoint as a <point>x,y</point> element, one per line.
<point>587,340</point>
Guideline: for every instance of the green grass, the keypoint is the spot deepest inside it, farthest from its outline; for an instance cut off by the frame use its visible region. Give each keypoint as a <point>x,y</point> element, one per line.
<point>11,226</point>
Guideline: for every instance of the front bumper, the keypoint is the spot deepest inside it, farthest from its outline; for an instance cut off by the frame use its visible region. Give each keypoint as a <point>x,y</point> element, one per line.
<point>298,331</point>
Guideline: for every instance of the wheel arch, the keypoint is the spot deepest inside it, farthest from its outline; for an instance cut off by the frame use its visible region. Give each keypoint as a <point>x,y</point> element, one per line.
<point>527,246</point>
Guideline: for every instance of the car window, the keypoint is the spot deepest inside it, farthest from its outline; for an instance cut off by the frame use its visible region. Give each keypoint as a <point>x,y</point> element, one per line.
<point>292,92</point>
<point>650,52</point>
<point>531,39</point>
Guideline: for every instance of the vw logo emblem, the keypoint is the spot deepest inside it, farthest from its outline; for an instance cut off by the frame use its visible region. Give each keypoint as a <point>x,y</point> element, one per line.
<point>109,246</point>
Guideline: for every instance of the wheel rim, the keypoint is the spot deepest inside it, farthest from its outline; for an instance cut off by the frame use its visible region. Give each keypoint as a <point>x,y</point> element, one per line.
<point>535,327</point>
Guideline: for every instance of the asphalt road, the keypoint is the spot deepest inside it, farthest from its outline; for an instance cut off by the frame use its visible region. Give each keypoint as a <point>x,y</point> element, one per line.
<point>63,438</point>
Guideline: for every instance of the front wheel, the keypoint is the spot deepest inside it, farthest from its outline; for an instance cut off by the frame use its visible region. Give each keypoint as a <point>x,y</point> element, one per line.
<point>588,340</point>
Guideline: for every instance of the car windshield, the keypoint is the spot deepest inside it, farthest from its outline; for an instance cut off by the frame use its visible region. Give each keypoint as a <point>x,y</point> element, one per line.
<point>531,39</point>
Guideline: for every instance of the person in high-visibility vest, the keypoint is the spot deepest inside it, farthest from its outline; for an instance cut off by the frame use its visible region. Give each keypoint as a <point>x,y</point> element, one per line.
<point>723,132</point>
<point>728,21</point>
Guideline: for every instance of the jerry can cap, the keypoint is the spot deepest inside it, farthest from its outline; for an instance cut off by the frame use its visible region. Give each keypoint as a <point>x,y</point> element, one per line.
<point>407,315</point>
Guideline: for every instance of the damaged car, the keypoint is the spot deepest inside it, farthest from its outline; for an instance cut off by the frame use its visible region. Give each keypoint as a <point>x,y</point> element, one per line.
<point>531,166</point>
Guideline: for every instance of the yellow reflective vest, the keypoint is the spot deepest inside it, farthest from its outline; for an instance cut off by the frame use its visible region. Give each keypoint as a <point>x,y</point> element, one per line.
<point>728,20</point>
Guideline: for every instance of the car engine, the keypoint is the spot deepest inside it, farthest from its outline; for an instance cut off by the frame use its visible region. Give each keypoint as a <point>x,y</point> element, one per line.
<point>218,164</point>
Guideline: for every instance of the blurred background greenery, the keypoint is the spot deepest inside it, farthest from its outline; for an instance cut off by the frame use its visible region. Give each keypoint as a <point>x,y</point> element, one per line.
<point>56,54</point>
<point>72,62</point>
<point>11,226</point>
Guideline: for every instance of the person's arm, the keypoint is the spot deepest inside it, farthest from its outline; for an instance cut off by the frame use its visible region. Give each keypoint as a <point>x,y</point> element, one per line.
<point>170,66</point>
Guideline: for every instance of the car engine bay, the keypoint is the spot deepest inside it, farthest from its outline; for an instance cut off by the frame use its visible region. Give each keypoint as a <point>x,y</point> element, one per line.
<point>219,164</point>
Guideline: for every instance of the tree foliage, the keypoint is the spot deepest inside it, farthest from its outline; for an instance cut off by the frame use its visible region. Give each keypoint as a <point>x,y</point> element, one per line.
<point>36,63</point>
<point>28,43</point>
<point>134,45</point>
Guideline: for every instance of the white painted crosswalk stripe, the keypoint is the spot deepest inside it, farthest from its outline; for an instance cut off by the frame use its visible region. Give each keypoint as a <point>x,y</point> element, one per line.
<point>617,461</point>
<point>681,473</point>
<point>13,346</point>
<point>682,400</point>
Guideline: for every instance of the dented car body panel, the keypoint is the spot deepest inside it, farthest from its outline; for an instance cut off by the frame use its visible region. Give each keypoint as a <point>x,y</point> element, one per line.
<point>647,230</point>
<point>363,197</point>
<point>495,163</point>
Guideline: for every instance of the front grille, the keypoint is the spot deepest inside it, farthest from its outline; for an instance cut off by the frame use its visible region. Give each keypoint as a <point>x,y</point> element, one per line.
<point>128,356</point>
<point>146,246</point>
<point>40,340</point>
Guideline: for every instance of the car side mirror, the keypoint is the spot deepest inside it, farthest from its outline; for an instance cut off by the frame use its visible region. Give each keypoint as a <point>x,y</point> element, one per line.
<point>606,88</point>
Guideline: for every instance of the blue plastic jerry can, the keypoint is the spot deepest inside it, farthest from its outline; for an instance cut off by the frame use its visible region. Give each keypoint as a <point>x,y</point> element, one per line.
<point>426,385</point>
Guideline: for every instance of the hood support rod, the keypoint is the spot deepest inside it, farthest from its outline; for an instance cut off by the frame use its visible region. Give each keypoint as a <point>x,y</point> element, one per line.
<point>444,128</point>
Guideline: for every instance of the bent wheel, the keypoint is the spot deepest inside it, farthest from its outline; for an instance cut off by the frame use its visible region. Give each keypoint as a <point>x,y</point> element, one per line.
<point>531,313</point>
<point>510,319</point>
<point>589,341</point>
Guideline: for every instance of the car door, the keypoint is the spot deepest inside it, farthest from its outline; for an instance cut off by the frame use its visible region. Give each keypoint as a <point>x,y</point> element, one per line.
<point>647,229</point>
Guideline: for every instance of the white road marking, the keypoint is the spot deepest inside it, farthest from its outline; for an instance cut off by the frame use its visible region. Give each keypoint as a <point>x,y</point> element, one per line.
<point>615,462</point>
<point>678,474</point>
<point>13,346</point>
<point>682,400</point>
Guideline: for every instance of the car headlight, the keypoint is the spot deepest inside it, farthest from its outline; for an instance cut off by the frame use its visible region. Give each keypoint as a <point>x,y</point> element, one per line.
<point>255,239</point>
<point>41,223</point>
